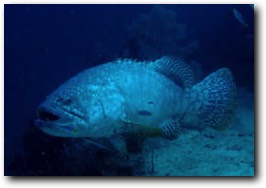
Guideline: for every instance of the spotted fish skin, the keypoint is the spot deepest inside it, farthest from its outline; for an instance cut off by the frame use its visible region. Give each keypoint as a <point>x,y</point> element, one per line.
<point>214,99</point>
<point>127,95</point>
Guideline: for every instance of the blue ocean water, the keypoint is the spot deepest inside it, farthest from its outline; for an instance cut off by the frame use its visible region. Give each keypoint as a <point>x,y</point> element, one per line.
<point>47,44</point>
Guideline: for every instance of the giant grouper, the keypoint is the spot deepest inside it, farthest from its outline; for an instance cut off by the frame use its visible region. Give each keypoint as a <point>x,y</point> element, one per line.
<point>127,98</point>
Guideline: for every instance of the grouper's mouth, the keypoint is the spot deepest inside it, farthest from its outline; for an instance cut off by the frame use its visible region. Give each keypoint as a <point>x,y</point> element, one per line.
<point>57,114</point>
<point>47,116</point>
<point>56,121</point>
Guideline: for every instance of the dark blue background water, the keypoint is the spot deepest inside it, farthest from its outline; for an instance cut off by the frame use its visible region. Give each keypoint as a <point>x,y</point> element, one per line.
<point>47,44</point>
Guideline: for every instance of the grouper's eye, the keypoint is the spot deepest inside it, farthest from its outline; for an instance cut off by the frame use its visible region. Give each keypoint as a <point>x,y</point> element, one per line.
<point>64,101</point>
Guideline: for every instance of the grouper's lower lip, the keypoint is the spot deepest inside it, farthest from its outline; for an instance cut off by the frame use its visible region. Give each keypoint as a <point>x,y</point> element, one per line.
<point>45,125</point>
<point>42,123</point>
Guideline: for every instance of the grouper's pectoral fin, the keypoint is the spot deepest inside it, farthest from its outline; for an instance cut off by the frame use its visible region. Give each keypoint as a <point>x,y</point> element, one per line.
<point>115,145</point>
<point>101,144</point>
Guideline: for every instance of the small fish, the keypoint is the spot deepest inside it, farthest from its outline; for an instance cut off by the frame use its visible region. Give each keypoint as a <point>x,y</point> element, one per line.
<point>114,99</point>
<point>239,17</point>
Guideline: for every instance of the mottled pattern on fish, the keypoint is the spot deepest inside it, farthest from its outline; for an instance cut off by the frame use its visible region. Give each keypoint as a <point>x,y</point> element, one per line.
<point>214,99</point>
<point>175,69</point>
<point>126,96</point>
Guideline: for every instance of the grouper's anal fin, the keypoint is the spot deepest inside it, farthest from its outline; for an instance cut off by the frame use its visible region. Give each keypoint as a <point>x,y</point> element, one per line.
<point>139,131</point>
<point>172,127</point>
<point>175,69</point>
<point>168,129</point>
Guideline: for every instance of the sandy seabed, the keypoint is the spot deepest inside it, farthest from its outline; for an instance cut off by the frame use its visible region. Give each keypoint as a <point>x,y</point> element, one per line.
<point>207,152</point>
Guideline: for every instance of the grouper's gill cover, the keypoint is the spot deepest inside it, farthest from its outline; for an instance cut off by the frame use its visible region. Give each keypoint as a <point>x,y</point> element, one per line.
<point>125,96</point>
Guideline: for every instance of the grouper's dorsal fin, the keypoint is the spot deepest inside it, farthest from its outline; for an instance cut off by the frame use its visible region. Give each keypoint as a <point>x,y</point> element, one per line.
<point>175,69</point>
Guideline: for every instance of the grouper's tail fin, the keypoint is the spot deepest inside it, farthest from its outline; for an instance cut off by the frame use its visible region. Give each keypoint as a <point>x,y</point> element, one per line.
<point>215,99</point>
